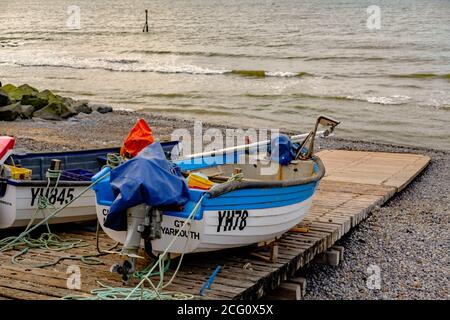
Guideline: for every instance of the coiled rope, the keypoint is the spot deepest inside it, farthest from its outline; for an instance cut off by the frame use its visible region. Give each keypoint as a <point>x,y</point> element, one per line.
<point>236,177</point>
<point>113,160</point>
<point>155,292</point>
<point>49,240</point>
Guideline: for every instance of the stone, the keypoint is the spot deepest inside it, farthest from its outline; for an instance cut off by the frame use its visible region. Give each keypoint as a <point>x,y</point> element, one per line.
<point>9,89</point>
<point>27,89</point>
<point>26,111</point>
<point>68,112</point>
<point>17,93</point>
<point>4,98</point>
<point>82,106</point>
<point>82,115</point>
<point>50,97</point>
<point>68,101</point>
<point>9,112</point>
<point>73,119</point>
<point>54,111</point>
<point>101,108</point>
<point>34,100</point>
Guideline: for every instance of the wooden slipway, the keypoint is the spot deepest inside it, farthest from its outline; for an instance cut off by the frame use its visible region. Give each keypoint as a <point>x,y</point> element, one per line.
<point>355,183</point>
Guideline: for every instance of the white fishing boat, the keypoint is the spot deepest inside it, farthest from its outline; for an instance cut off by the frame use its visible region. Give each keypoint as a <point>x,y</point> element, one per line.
<point>253,199</point>
<point>23,180</point>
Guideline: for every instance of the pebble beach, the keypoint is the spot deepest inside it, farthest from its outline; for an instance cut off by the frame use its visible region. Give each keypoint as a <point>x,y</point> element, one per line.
<point>407,237</point>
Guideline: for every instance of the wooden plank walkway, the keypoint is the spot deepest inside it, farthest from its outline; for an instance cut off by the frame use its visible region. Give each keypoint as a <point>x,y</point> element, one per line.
<point>355,183</point>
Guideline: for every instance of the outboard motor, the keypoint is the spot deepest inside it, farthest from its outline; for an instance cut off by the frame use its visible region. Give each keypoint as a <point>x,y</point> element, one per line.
<point>143,224</point>
<point>146,183</point>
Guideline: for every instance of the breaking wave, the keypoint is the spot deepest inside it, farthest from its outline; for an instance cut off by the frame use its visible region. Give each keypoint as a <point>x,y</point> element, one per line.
<point>133,65</point>
<point>391,100</point>
<point>421,76</point>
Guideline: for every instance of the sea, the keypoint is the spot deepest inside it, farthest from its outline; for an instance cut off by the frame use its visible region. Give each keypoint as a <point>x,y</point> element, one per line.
<point>381,67</point>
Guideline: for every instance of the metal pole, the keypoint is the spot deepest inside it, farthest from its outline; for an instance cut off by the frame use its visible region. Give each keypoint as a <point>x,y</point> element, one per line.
<point>146,22</point>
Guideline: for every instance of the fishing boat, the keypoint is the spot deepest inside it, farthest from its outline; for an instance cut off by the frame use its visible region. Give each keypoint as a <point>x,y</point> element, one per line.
<point>253,198</point>
<point>24,178</point>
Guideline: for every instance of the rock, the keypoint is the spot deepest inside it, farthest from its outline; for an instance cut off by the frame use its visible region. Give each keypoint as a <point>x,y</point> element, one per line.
<point>26,89</point>
<point>68,101</point>
<point>4,98</point>
<point>47,95</point>
<point>55,111</point>
<point>101,108</point>
<point>51,97</point>
<point>26,111</point>
<point>82,115</point>
<point>82,106</point>
<point>41,99</point>
<point>17,93</point>
<point>9,112</point>
<point>9,89</point>
<point>69,112</point>
<point>34,100</point>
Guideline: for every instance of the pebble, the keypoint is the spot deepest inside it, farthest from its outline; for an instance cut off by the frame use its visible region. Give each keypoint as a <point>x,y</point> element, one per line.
<point>416,223</point>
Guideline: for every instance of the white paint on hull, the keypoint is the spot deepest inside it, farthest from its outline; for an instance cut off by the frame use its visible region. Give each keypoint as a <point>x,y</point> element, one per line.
<point>17,206</point>
<point>203,235</point>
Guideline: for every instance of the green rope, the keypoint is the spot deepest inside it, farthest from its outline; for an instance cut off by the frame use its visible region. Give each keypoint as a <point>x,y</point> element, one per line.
<point>139,292</point>
<point>236,177</point>
<point>147,276</point>
<point>113,293</point>
<point>48,240</point>
<point>141,273</point>
<point>113,160</point>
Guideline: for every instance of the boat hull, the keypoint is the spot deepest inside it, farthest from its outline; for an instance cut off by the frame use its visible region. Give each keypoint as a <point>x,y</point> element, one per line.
<point>19,204</point>
<point>236,219</point>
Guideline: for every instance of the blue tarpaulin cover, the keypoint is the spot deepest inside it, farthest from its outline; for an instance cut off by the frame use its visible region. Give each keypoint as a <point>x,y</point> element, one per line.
<point>282,149</point>
<point>147,178</point>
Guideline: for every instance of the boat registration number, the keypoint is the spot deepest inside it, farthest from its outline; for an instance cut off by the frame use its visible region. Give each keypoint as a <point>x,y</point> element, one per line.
<point>56,196</point>
<point>232,220</point>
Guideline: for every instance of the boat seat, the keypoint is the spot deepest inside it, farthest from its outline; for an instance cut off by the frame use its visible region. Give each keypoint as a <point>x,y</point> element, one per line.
<point>6,147</point>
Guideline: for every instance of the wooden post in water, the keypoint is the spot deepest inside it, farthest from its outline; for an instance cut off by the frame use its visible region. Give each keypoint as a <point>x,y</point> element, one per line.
<point>146,22</point>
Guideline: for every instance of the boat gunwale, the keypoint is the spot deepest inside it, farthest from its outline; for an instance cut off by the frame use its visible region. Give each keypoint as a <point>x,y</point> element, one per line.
<point>40,183</point>
<point>228,187</point>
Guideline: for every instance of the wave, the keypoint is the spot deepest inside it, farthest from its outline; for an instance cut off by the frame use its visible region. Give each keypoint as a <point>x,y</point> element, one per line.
<point>195,53</point>
<point>297,96</point>
<point>132,65</point>
<point>346,58</point>
<point>391,100</point>
<point>121,61</point>
<point>186,110</point>
<point>124,66</point>
<point>171,95</point>
<point>262,73</point>
<point>216,54</point>
<point>421,76</point>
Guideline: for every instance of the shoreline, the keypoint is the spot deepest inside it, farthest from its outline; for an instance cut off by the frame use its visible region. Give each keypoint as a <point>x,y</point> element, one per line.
<point>120,121</point>
<point>407,237</point>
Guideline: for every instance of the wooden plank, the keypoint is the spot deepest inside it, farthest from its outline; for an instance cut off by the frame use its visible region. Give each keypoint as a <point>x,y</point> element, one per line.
<point>379,168</point>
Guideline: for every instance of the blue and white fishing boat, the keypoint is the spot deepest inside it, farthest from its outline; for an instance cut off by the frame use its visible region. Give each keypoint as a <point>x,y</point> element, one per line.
<point>254,198</point>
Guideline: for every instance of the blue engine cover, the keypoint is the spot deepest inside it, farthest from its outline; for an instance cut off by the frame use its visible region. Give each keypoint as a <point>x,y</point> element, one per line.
<point>147,178</point>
